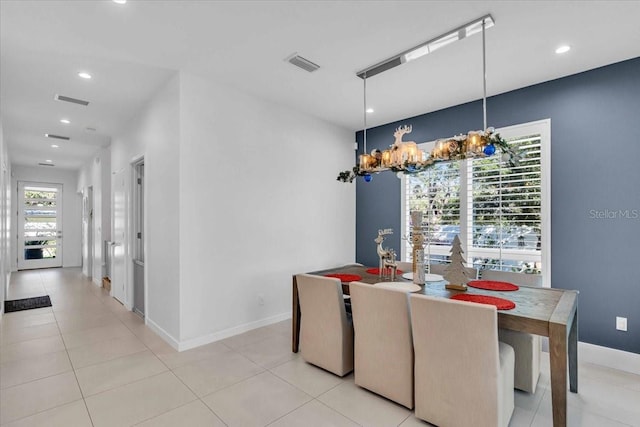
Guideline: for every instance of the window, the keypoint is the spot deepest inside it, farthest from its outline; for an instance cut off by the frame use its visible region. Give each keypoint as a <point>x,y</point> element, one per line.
<point>500,212</point>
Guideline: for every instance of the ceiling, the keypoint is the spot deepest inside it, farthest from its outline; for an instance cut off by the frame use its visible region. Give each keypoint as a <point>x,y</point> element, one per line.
<point>133,49</point>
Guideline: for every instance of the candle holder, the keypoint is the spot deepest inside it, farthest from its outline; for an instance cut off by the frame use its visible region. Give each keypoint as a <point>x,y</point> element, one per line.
<point>417,245</point>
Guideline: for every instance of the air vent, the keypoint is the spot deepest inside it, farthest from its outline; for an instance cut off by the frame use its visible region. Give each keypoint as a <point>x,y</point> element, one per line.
<point>72,100</point>
<point>46,164</point>
<point>303,63</point>
<point>50,135</point>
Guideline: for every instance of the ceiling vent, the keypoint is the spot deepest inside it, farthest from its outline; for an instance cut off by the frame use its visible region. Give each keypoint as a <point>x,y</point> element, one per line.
<point>46,164</point>
<point>50,135</point>
<point>303,63</point>
<point>72,100</point>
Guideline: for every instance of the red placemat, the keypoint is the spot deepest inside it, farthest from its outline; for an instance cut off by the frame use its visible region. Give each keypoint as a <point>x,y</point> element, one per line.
<point>345,277</point>
<point>377,271</point>
<point>493,285</point>
<point>500,303</point>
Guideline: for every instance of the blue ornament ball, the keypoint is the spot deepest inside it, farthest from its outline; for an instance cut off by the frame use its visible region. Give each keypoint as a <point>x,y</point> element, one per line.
<point>368,178</point>
<point>489,149</point>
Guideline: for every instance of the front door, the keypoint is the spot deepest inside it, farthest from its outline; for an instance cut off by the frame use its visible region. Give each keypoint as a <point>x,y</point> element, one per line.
<point>39,225</point>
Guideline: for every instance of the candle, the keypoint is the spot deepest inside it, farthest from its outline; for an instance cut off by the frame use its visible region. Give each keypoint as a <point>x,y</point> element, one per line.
<point>412,153</point>
<point>473,142</point>
<point>386,158</point>
<point>364,162</point>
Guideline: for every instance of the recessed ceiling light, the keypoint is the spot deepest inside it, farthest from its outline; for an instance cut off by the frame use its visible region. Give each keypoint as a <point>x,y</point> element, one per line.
<point>49,161</point>
<point>563,49</point>
<point>54,146</point>
<point>369,110</point>
<point>120,1</point>
<point>84,75</point>
<point>65,121</point>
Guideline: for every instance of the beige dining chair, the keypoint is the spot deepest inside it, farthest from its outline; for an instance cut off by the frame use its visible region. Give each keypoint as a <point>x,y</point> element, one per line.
<point>528,347</point>
<point>463,374</point>
<point>440,269</point>
<point>405,266</point>
<point>383,348</point>
<point>326,332</point>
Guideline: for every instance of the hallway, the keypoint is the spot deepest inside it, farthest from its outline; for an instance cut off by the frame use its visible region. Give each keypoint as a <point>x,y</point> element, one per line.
<point>87,361</point>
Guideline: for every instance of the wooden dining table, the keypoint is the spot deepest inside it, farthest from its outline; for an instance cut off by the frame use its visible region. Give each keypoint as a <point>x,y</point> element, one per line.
<point>549,312</point>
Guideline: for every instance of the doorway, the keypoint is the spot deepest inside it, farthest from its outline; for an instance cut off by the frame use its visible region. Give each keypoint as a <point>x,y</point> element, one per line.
<point>139,236</point>
<point>89,231</point>
<point>39,225</point>
<point>119,236</point>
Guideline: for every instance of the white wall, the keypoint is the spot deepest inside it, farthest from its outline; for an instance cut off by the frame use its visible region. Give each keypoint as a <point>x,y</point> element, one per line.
<point>240,194</point>
<point>259,202</point>
<point>5,219</point>
<point>96,173</point>
<point>71,209</point>
<point>155,134</point>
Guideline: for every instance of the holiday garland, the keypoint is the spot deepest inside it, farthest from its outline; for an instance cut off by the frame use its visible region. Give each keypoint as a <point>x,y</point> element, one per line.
<point>460,147</point>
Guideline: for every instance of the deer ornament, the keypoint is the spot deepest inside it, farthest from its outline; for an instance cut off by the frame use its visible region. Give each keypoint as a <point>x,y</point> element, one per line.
<point>387,255</point>
<point>402,151</point>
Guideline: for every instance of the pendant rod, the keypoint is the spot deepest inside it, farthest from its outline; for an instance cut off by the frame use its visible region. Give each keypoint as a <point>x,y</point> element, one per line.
<point>484,78</point>
<point>364,109</point>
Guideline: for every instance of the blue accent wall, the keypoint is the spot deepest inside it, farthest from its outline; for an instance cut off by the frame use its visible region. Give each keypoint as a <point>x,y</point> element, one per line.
<point>595,187</point>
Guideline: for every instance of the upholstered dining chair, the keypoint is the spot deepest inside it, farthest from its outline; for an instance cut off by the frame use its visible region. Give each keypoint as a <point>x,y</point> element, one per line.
<point>326,332</point>
<point>383,348</point>
<point>463,374</point>
<point>528,347</point>
<point>440,269</point>
<point>405,266</point>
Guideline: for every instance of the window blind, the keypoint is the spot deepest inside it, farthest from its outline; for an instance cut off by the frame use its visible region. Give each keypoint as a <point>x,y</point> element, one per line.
<point>436,193</point>
<point>494,207</point>
<point>504,204</point>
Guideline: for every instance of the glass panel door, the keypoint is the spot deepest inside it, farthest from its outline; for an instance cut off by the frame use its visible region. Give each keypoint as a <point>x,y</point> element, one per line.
<point>40,225</point>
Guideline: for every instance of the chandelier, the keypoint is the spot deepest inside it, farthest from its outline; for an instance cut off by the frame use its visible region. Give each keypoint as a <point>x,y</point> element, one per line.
<point>406,157</point>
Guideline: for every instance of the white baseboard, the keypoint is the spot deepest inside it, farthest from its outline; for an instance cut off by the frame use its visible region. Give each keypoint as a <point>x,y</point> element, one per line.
<point>163,334</point>
<point>609,357</point>
<point>217,336</point>
<point>96,281</point>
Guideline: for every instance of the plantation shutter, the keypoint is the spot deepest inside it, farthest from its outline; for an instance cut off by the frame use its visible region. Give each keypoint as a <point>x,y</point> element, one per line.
<point>504,210</point>
<point>435,192</point>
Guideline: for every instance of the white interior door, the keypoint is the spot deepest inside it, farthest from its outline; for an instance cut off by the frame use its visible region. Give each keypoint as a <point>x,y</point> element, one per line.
<point>39,225</point>
<point>90,233</point>
<point>119,237</point>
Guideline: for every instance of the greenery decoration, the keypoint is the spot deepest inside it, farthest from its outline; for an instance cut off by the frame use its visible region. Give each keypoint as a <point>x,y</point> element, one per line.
<point>474,145</point>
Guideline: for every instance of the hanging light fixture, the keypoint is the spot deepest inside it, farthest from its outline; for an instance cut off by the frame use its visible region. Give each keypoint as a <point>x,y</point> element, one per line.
<point>406,157</point>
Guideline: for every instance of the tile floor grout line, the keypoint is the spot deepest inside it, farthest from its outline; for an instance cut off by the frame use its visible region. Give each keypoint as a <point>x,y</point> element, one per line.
<point>231,385</point>
<point>166,412</point>
<point>73,368</point>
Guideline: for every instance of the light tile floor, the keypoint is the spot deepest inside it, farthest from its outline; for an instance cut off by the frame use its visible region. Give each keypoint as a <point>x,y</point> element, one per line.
<point>87,361</point>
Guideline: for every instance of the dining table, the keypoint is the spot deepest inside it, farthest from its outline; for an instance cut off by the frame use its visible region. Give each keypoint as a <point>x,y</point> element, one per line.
<point>549,312</point>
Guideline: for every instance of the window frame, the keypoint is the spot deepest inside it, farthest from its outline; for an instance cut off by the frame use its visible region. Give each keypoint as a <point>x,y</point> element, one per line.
<point>539,127</point>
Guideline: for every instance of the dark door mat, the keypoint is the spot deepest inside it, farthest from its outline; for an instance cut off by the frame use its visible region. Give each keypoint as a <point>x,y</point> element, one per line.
<point>27,303</point>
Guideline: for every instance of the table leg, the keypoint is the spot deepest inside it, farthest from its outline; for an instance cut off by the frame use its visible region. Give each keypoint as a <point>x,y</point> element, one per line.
<point>558,366</point>
<point>573,354</point>
<point>295,317</point>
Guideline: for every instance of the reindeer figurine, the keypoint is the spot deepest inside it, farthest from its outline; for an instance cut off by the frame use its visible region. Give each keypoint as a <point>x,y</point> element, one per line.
<point>404,151</point>
<point>387,255</point>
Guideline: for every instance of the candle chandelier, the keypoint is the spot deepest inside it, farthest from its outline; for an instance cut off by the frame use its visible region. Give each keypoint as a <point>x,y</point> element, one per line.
<point>407,157</point>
